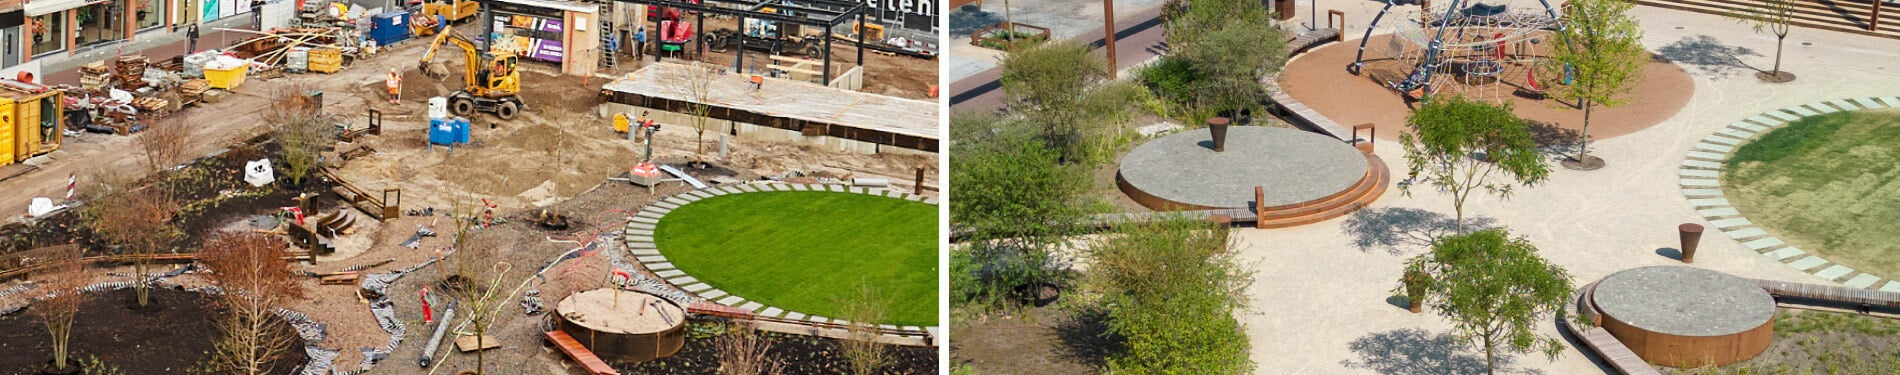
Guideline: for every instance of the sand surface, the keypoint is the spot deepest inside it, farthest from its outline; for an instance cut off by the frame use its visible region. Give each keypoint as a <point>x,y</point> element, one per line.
<point>633,313</point>
<point>1319,80</point>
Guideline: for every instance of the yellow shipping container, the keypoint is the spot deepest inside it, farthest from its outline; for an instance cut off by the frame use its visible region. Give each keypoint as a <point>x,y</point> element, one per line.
<point>31,120</point>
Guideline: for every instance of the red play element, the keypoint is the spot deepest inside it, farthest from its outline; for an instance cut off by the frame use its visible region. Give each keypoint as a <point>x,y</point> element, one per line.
<point>428,315</point>
<point>645,170</point>
<point>295,212</point>
<point>1530,79</point>
<point>676,31</point>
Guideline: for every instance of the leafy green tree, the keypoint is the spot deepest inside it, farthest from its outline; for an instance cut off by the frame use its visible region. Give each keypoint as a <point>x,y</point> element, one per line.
<point>1602,45</point>
<point>1058,88</point>
<point>1775,17</point>
<point>1171,289</point>
<point>1494,289</point>
<point>1014,201</point>
<point>1463,146</point>
<point>1224,47</point>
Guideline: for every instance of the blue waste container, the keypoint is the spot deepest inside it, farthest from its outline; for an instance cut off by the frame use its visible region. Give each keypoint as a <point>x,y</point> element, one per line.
<point>442,131</point>
<point>461,130</point>
<point>389,28</point>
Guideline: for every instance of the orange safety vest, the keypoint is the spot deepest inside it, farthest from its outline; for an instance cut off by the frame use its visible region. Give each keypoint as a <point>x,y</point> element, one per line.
<point>394,82</point>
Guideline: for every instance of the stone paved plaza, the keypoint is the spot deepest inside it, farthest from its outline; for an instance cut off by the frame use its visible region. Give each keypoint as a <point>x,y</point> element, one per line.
<point>1315,292</point>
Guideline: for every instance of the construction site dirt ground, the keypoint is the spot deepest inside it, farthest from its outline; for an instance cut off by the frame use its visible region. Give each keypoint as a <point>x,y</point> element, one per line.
<point>557,150</point>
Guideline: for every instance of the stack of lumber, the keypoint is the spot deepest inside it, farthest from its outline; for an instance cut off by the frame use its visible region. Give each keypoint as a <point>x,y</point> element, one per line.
<point>193,90</point>
<point>130,71</point>
<point>150,104</point>
<point>94,76</point>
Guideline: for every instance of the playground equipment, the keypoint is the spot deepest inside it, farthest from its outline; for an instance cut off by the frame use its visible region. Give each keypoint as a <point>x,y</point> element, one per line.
<point>1467,46</point>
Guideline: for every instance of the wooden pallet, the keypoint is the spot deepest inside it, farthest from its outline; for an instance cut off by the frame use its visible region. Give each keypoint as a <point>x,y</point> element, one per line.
<point>579,353</point>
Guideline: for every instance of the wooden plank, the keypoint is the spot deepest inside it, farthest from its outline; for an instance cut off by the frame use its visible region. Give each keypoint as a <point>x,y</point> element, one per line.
<point>466,343</point>
<point>579,353</point>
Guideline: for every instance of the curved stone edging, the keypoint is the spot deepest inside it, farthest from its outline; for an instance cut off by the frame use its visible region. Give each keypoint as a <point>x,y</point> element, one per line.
<point>639,239</point>
<point>1701,184</point>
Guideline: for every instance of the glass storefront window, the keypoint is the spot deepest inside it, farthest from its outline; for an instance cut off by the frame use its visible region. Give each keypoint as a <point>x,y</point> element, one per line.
<point>100,23</point>
<point>150,13</point>
<point>48,33</point>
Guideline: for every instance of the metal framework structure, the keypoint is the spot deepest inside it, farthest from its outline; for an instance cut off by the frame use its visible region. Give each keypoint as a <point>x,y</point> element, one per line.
<point>819,13</point>
<point>1493,26</point>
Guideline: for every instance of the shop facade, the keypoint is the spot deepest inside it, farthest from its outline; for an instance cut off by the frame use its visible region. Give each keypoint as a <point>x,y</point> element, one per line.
<point>560,33</point>
<point>52,29</point>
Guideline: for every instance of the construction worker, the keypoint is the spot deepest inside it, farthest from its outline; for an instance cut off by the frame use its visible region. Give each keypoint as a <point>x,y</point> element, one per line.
<point>640,45</point>
<point>758,82</point>
<point>394,82</point>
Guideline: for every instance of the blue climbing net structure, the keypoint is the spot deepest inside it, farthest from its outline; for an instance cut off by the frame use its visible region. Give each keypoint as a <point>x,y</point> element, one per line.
<point>1467,47</point>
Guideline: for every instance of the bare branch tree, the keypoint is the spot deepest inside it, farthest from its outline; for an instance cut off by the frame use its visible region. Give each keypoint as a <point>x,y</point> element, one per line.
<point>256,282</point>
<point>699,85</point>
<point>293,114</point>
<point>64,279</point>
<point>861,348</point>
<point>743,352</point>
<point>136,217</point>
<point>164,143</point>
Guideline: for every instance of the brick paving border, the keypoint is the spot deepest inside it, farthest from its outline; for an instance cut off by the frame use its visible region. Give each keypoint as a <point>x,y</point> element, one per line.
<point>1701,184</point>
<point>639,238</point>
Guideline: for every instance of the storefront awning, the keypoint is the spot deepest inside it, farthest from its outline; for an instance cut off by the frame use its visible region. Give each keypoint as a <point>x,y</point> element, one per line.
<point>40,7</point>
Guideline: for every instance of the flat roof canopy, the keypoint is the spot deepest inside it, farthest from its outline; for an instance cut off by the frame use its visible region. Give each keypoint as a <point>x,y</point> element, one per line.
<point>825,13</point>
<point>784,104</point>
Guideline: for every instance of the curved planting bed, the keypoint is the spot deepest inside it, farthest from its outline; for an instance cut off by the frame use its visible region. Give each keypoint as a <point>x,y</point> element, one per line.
<point>1814,186</point>
<point>799,251</point>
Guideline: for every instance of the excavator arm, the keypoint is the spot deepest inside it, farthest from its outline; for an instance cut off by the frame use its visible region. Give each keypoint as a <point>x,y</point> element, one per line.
<point>472,58</point>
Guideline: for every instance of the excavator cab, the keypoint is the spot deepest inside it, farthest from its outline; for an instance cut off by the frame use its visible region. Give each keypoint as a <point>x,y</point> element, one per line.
<point>490,83</point>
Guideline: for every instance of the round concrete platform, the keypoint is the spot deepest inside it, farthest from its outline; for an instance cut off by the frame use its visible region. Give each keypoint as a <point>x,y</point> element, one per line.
<point>1686,316</point>
<point>1182,170</point>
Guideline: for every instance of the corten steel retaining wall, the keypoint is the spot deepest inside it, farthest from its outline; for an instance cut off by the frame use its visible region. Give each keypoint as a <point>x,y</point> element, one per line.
<point>1692,351</point>
<point>620,347</point>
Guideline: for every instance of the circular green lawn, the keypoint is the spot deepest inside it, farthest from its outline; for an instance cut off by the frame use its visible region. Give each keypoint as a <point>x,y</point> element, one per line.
<point>810,252</point>
<point>1827,184</point>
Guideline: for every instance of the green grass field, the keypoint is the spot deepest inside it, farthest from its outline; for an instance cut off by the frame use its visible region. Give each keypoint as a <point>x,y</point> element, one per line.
<point>810,251</point>
<point>1826,184</point>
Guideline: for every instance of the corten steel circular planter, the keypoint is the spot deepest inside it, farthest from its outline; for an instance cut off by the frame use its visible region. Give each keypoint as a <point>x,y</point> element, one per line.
<point>1414,293</point>
<point>1039,294</point>
<point>623,332</point>
<point>1218,128</point>
<point>1686,317</point>
<point>1691,236</point>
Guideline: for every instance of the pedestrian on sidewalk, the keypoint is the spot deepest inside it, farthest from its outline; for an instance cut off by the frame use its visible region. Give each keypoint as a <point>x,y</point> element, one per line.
<point>191,34</point>
<point>640,45</point>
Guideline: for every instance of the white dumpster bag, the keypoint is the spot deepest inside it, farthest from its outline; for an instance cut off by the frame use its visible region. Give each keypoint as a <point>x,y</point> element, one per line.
<point>40,206</point>
<point>258,173</point>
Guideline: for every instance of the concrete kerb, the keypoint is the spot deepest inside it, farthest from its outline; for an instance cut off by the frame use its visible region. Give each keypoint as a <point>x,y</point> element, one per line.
<point>640,242</point>
<point>1701,182</point>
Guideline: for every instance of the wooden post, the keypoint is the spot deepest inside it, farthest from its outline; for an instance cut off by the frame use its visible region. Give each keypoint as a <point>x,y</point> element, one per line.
<point>919,190</point>
<point>1873,20</point>
<point>1108,31</point>
<point>1371,133</point>
<point>1335,13</point>
<point>1260,207</point>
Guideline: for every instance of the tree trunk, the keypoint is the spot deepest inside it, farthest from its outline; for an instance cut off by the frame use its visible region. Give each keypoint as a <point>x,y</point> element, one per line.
<point>1009,26</point>
<point>1490,357</point>
<point>1780,40</point>
<point>138,280</point>
<point>1583,141</point>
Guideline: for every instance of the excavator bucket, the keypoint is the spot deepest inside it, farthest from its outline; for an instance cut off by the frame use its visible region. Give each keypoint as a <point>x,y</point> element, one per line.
<point>434,70</point>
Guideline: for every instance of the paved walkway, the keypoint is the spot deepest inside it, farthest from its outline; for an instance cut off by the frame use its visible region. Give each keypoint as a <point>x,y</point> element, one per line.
<point>1139,40</point>
<point>1319,304</point>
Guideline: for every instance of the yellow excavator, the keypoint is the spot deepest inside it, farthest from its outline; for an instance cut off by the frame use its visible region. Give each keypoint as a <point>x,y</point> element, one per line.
<point>491,83</point>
